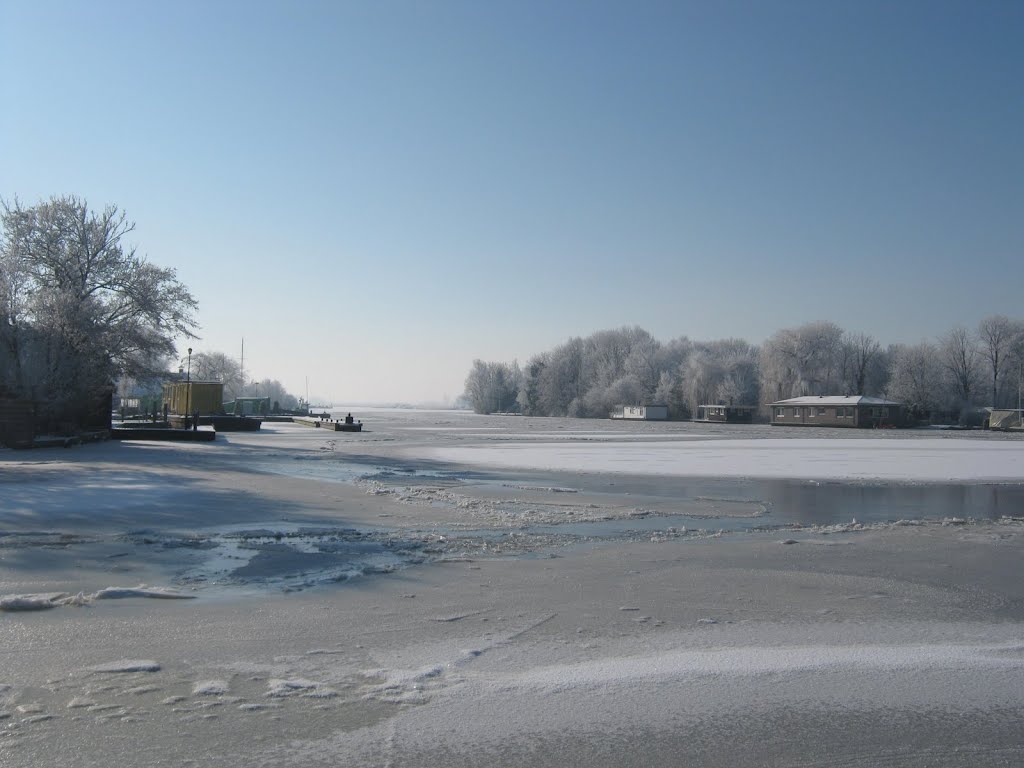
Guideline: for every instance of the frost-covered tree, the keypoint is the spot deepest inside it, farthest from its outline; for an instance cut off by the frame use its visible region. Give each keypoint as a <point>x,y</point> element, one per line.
<point>561,382</point>
<point>724,371</point>
<point>589,376</point>
<point>642,363</point>
<point>802,361</point>
<point>493,387</point>
<point>217,366</point>
<point>529,389</point>
<point>917,377</point>
<point>670,392</point>
<point>80,307</point>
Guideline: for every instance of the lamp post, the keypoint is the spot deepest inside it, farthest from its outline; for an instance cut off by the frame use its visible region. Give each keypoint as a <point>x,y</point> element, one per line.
<point>188,388</point>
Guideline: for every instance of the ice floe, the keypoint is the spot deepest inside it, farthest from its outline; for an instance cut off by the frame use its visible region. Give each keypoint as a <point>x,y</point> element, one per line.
<point>210,688</point>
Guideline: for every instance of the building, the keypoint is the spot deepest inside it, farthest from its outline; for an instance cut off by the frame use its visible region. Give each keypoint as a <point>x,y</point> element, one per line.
<point>640,412</point>
<point>833,411</point>
<point>727,414</point>
<point>248,406</point>
<point>187,397</point>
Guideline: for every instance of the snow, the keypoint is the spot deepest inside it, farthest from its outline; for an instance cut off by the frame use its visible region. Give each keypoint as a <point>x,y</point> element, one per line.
<point>836,400</point>
<point>762,661</point>
<point>310,689</point>
<point>910,460</point>
<point>210,688</point>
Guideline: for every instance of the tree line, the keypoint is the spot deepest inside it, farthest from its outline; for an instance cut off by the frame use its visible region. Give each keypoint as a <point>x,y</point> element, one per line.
<point>587,377</point>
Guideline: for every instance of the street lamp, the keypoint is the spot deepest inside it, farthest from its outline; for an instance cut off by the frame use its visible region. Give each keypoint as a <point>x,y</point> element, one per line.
<point>188,388</point>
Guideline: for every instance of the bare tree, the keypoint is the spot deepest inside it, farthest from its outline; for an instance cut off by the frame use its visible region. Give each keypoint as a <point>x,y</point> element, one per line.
<point>960,360</point>
<point>998,335</point>
<point>859,351</point>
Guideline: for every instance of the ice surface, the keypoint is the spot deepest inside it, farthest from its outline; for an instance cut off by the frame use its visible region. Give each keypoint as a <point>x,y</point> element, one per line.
<point>508,661</point>
<point>911,459</point>
<point>763,661</point>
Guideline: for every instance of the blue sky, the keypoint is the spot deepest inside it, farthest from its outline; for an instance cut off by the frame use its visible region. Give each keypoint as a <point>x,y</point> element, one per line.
<point>373,194</point>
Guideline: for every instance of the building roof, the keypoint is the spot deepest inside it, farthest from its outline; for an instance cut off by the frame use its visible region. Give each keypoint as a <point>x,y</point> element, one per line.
<point>723,405</point>
<point>836,400</point>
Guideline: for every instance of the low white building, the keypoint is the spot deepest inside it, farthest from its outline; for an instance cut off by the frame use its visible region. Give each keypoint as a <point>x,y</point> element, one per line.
<point>640,412</point>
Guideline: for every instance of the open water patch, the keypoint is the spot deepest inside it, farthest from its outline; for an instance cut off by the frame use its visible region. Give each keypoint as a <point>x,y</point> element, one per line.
<point>786,501</point>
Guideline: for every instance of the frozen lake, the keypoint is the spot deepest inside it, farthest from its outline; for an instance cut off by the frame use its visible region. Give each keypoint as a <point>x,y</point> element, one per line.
<point>445,589</point>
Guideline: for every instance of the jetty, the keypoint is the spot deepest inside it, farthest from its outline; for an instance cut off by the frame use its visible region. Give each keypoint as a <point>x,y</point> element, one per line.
<point>162,433</point>
<point>335,425</point>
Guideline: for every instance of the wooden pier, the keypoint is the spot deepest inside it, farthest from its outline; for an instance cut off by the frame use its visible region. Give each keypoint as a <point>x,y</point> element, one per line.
<point>157,433</point>
<point>337,425</point>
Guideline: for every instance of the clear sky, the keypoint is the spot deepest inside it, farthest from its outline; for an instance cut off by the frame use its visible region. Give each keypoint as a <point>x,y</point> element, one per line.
<point>375,193</point>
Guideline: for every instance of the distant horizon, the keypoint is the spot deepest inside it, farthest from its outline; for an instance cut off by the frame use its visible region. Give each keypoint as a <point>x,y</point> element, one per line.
<point>375,195</point>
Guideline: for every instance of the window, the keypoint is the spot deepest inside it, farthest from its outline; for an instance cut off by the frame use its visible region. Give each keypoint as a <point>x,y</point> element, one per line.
<point>810,413</point>
<point>840,412</point>
<point>821,411</point>
<point>780,413</point>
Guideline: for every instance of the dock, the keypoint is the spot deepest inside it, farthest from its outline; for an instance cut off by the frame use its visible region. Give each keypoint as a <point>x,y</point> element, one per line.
<point>338,425</point>
<point>162,433</point>
<point>220,423</point>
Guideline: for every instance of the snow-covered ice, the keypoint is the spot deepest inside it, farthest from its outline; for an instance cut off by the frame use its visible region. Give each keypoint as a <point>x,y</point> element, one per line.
<point>622,642</point>
<point>905,460</point>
